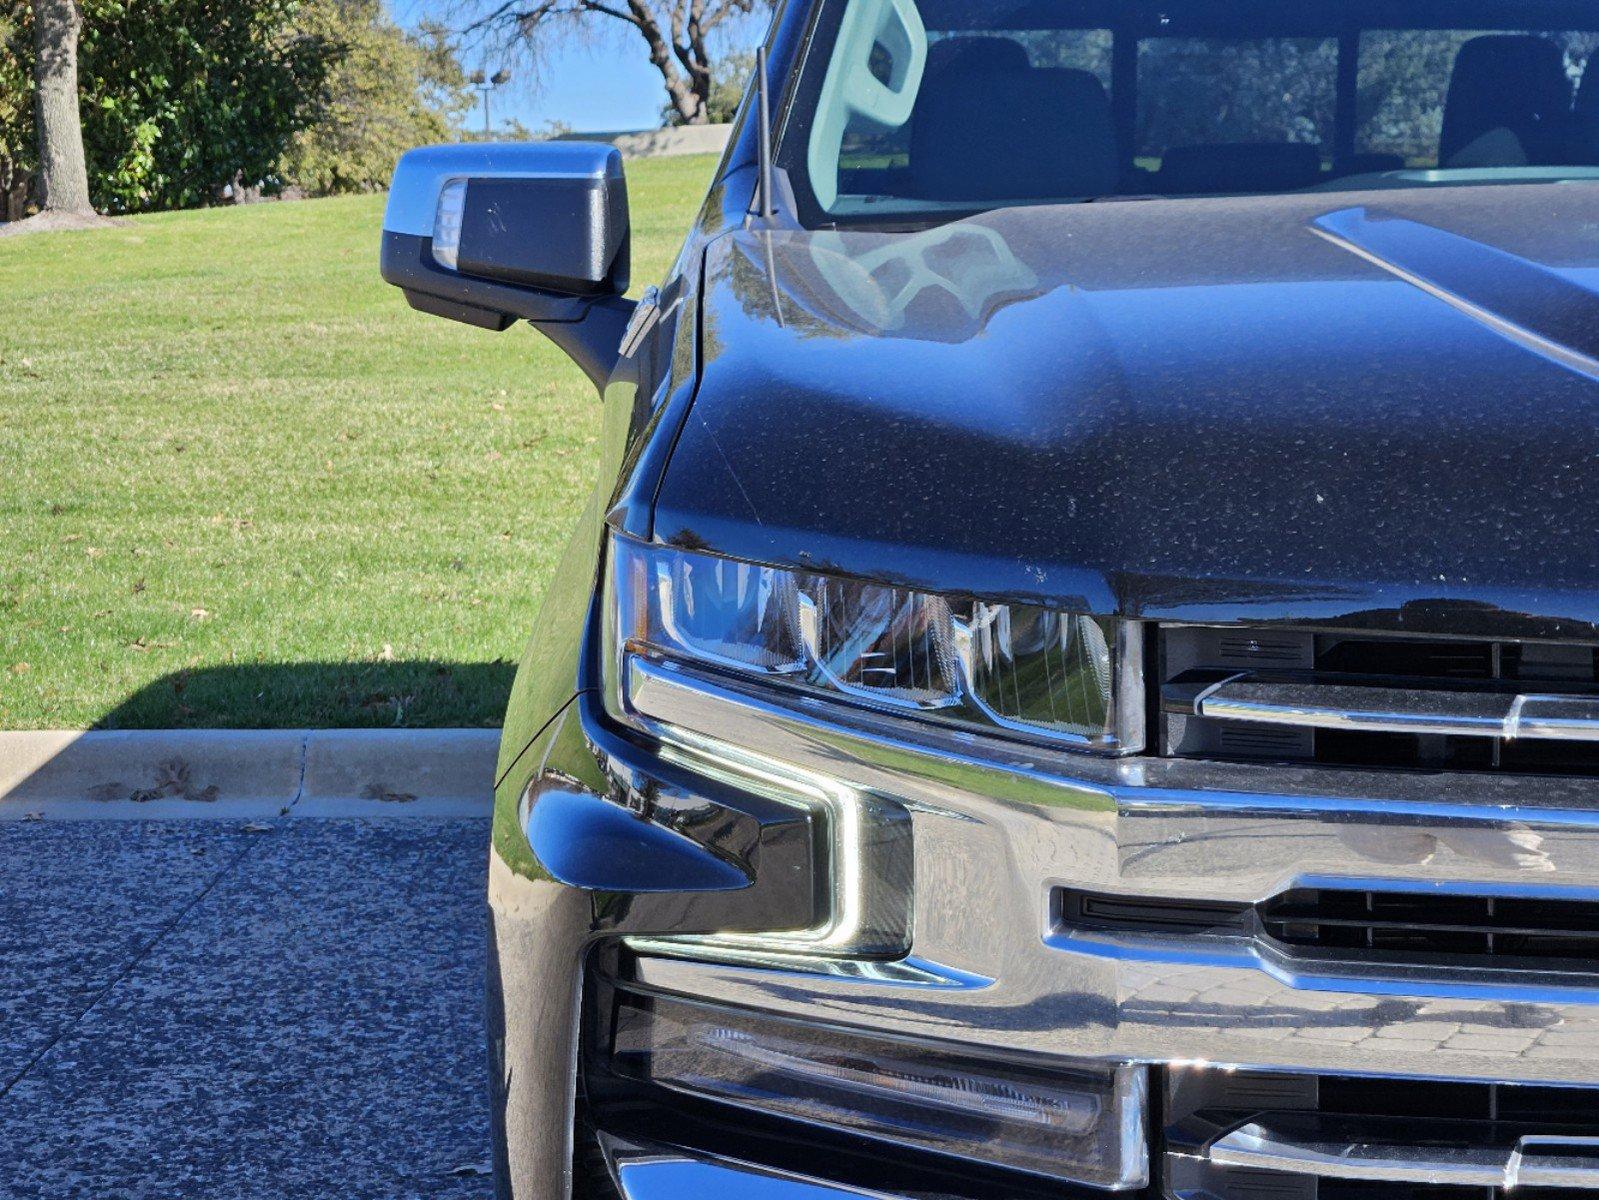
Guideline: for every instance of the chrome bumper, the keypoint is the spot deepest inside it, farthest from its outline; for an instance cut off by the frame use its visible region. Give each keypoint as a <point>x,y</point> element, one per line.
<point>647,1172</point>
<point>993,838</point>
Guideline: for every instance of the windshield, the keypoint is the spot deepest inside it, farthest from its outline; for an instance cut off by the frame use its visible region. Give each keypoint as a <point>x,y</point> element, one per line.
<point>910,110</point>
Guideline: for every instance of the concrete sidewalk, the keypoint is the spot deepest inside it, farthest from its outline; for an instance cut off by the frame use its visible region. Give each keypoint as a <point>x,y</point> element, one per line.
<point>250,774</point>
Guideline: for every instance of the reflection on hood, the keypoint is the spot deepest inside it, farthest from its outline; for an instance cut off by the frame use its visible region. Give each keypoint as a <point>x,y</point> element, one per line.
<point>945,283</point>
<point>1274,407</point>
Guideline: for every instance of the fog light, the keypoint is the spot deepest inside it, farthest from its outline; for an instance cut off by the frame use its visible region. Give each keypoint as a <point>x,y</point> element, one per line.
<point>1082,1123</point>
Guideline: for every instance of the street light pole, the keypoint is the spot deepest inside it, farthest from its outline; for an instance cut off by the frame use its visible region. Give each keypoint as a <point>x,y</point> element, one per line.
<point>486,85</point>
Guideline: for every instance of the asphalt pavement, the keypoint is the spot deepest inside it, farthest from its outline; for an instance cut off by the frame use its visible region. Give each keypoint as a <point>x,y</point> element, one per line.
<point>225,1008</point>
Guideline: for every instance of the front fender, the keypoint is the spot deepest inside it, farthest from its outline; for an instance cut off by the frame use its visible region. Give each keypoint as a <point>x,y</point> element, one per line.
<point>596,838</point>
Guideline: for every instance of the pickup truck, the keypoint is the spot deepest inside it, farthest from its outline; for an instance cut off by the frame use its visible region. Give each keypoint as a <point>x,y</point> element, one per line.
<point>1080,673</point>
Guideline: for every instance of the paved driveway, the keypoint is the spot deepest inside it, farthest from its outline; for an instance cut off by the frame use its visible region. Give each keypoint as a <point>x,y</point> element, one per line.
<point>216,1008</point>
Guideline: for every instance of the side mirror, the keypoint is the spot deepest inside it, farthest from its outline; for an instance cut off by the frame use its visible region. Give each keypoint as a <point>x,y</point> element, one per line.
<point>489,233</point>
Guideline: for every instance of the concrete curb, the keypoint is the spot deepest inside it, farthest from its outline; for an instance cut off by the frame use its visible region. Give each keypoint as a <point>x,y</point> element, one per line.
<point>247,774</point>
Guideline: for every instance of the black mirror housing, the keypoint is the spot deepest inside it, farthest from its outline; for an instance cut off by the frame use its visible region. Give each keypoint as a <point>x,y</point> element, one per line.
<point>559,235</point>
<point>487,234</point>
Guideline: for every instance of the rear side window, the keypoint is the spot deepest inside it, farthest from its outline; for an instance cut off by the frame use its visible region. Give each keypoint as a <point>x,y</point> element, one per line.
<point>1404,80</point>
<point>1216,91</point>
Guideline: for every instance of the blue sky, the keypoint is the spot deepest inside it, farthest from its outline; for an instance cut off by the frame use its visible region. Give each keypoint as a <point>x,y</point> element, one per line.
<point>605,84</point>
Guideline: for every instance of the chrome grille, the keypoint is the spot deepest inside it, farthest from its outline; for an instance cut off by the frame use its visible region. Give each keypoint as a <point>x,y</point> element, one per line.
<point>1366,926</point>
<point>1478,927</point>
<point>1393,702</point>
<point>1306,1137</point>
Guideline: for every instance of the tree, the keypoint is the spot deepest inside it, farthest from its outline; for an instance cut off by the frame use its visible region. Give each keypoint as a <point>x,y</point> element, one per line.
<point>64,174</point>
<point>18,146</point>
<point>681,36</point>
<point>387,91</point>
<point>189,102</point>
<point>729,77</point>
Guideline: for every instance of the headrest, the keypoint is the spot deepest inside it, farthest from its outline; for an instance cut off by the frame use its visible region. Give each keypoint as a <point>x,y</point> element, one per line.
<point>1029,135</point>
<point>1239,167</point>
<point>977,54</point>
<point>1503,81</point>
<point>1587,103</point>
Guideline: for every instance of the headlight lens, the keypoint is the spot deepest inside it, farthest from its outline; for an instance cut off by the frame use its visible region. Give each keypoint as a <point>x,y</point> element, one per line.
<point>1062,678</point>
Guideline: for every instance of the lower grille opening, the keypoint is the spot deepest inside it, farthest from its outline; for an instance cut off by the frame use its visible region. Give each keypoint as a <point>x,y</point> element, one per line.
<point>1439,1124</point>
<point>1553,1107</point>
<point>1501,928</point>
<point>1425,928</point>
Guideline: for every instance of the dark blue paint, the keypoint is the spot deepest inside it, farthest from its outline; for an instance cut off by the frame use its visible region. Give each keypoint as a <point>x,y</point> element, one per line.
<point>585,841</point>
<point>1175,409</point>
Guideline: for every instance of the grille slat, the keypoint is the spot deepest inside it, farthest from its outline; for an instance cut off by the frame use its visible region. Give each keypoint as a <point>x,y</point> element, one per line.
<point>1434,1116</point>
<point>1308,696</point>
<point>1499,932</point>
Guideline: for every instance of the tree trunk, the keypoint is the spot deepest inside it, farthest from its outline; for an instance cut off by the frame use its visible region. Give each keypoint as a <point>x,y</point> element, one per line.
<point>690,105</point>
<point>62,170</point>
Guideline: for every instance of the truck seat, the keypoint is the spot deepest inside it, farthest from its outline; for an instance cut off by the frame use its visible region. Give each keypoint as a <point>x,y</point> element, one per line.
<point>1513,84</point>
<point>988,134</point>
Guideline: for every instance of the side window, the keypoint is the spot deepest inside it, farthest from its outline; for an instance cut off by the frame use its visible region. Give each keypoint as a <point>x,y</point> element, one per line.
<point>1404,80</point>
<point>875,159</point>
<point>1405,77</point>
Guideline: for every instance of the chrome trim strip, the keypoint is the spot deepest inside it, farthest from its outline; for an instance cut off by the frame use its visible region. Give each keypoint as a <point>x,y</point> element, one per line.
<point>1470,1162</point>
<point>1259,1147</point>
<point>868,854</point>
<point>1529,1169</point>
<point>1331,975</point>
<point>662,1173</point>
<point>1206,693</point>
<point>1355,708</point>
<point>996,827</point>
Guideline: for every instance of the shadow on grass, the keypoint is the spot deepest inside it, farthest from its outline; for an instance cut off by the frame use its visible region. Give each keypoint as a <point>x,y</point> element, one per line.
<point>320,695</point>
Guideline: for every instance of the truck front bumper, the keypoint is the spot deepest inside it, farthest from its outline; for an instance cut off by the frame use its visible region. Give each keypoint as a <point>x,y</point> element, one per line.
<point>990,965</point>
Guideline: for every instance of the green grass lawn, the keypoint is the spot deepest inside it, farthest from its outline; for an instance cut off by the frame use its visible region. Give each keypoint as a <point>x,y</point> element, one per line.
<point>244,485</point>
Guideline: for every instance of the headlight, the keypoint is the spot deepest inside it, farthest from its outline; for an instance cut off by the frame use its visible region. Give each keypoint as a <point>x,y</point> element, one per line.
<point>1066,679</point>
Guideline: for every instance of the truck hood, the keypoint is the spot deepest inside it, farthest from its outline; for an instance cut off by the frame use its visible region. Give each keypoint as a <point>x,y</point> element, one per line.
<point>1270,408</point>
